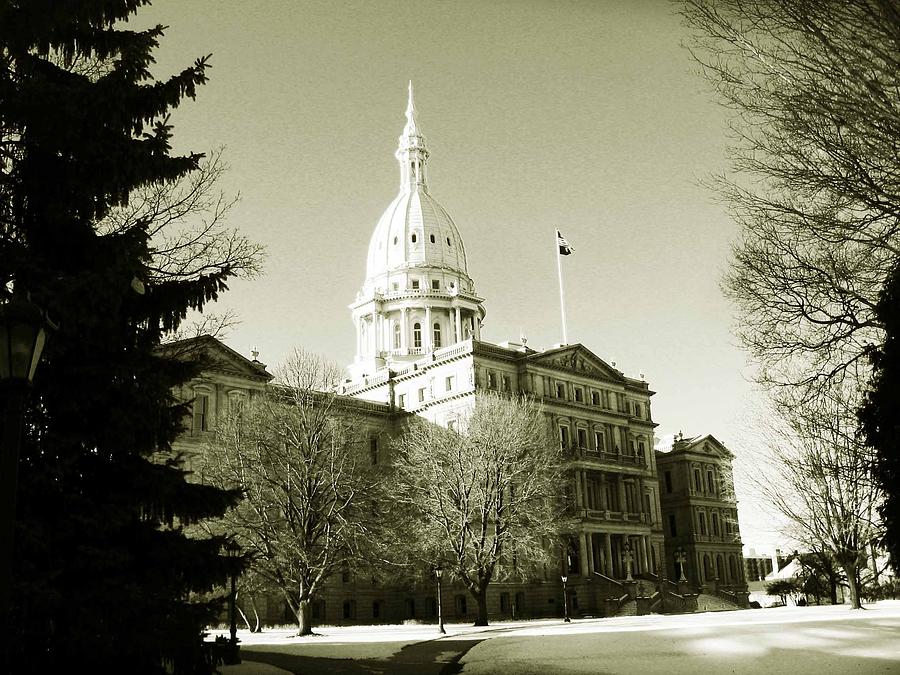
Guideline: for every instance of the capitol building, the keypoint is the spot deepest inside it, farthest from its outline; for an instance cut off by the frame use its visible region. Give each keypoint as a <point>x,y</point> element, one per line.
<point>637,546</point>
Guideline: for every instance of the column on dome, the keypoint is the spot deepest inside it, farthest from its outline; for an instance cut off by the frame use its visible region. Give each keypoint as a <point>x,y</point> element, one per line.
<point>426,331</point>
<point>404,331</point>
<point>456,324</point>
<point>378,323</point>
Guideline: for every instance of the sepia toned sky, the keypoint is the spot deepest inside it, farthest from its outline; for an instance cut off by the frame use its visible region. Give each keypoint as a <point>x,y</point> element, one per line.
<point>587,116</point>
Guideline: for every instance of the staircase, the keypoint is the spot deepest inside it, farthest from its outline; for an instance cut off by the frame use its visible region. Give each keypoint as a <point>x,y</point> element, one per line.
<point>628,608</point>
<point>712,603</point>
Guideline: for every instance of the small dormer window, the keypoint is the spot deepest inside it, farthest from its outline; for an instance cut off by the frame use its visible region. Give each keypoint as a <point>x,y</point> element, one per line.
<point>432,238</point>
<point>448,241</point>
<point>395,241</point>
<point>413,237</point>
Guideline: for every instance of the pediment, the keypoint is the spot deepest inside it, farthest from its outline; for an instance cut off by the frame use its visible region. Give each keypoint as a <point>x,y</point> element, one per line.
<point>710,445</point>
<point>217,357</point>
<point>577,359</point>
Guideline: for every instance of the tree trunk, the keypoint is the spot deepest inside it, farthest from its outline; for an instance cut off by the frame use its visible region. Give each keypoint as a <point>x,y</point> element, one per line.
<point>850,571</point>
<point>833,585</point>
<point>304,618</point>
<point>481,597</point>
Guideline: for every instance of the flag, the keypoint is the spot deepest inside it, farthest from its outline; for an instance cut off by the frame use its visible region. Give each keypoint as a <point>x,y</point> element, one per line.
<point>564,247</point>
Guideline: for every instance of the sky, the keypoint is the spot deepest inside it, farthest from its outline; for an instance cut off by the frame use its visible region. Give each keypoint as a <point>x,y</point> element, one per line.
<point>588,116</point>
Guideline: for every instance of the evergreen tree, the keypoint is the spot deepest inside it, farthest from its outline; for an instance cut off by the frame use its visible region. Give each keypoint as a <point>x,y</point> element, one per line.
<point>880,422</point>
<point>105,580</point>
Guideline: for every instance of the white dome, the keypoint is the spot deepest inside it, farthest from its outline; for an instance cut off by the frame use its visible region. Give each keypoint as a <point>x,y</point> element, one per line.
<point>415,231</point>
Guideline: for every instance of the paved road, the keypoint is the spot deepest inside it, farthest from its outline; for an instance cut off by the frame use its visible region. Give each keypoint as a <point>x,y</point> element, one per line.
<point>433,657</point>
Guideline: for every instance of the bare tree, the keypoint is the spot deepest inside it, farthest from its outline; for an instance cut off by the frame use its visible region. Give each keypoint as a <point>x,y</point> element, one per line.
<point>815,92</point>
<point>186,220</point>
<point>491,492</point>
<point>311,496</point>
<point>818,477</point>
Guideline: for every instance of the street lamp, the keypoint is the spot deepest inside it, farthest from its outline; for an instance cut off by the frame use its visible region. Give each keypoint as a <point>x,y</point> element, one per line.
<point>438,573</point>
<point>233,553</point>
<point>680,558</point>
<point>565,599</point>
<point>23,332</point>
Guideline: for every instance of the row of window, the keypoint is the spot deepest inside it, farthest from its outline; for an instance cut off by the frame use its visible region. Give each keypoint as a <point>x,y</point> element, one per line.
<point>601,398</point>
<point>636,447</point>
<point>201,407</point>
<point>423,392</point>
<point>722,522</point>
<point>414,238</point>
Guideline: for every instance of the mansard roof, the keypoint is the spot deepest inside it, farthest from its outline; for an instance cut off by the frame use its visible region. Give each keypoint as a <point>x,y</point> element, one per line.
<point>217,357</point>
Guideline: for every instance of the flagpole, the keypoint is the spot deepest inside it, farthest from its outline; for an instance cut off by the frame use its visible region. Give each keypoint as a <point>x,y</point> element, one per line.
<point>562,295</point>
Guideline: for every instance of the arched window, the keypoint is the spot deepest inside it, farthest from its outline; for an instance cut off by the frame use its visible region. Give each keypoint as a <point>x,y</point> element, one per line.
<point>417,335</point>
<point>396,336</point>
<point>432,238</point>
<point>414,237</point>
<point>437,335</point>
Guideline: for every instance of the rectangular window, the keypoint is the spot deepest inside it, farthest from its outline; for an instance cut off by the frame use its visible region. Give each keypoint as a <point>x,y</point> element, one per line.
<point>401,400</point>
<point>582,439</point>
<point>506,384</point>
<point>710,482</point>
<point>201,414</point>
<point>421,394</point>
<point>579,394</point>
<point>564,437</point>
<point>673,531</point>
<point>715,524</point>
<point>641,448</point>
<point>415,284</point>
<point>435,285</point>
<point>599,446</point>
<point>395,286</point>
<point>638,412</point>
<point>698,484</point>
<point>492,380</point>
<point>595,398</point>
<point>451,425</point>
<point>448,382</point>
<point>560,390</point>
<point>669,482</point>
<point>702,523</point>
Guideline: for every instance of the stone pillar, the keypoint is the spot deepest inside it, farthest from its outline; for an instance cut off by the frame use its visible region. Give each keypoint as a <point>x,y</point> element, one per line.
<point>607,548</point>
<point>645,554</point>
<point>603,503</point>
<point>457,326</point>
<point>590,567</point>
<point>426,331</point>
<point>582,541</point>
<point>378,321</point>
<point>404,328</point>
<point>579,493</point>
<point>623,506</point>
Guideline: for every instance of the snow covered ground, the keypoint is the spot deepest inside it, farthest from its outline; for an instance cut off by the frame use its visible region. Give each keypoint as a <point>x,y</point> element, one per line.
<point>831,640</point>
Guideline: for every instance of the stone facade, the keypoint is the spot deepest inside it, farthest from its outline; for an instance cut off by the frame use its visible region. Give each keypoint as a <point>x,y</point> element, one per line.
<point>419,352</point>
<point>700,518</point>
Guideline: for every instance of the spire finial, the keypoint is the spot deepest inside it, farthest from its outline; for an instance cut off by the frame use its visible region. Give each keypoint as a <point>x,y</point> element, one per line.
<point>411,149</point>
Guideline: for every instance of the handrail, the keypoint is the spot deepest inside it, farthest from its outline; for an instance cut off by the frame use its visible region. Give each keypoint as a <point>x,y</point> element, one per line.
<point>611,581</point>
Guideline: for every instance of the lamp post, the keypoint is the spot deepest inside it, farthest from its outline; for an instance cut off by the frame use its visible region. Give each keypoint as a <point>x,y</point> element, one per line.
<point>438,573</point>
<point>23,332</point>
<point>566,618</point>
<point>680,558</point>
<point>233,552</point>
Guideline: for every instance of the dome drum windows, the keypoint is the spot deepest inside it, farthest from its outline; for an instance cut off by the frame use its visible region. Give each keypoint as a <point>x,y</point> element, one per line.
<point>436,341</point>
<point>413,237</point>
<point>417,335</point>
